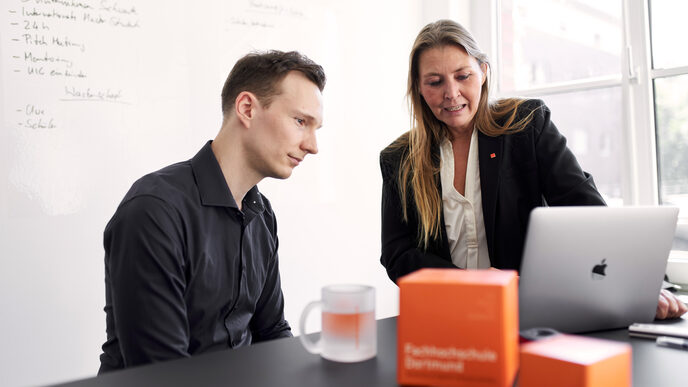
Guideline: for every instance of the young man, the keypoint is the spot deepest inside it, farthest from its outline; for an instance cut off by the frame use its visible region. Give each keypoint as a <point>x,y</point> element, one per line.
<point>191,252</point>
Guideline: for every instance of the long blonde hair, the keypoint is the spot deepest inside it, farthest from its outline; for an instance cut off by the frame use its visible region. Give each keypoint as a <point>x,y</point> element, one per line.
<point>418,170</point>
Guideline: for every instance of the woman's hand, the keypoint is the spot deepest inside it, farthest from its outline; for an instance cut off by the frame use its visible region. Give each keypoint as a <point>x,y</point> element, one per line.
<point>669,306</point>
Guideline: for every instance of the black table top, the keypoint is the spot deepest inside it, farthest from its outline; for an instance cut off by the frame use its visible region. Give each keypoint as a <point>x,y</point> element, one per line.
<point>285,362</point>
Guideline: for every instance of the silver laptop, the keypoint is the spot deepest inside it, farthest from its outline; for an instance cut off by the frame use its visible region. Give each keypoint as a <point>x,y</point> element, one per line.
<point>593,268</point>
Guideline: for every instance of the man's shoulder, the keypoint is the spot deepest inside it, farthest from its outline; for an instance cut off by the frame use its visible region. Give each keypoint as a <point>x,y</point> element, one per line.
<point>169,184</point>
<point>162,197</point>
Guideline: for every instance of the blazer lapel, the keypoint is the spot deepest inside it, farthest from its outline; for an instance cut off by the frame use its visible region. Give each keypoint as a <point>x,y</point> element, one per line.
<point>489,158</point>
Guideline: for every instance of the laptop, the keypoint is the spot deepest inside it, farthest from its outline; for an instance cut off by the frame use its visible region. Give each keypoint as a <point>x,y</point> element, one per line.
<point>593,268</point>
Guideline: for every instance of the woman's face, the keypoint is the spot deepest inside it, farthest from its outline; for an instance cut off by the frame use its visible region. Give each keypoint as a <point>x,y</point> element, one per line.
<point>450,83</point>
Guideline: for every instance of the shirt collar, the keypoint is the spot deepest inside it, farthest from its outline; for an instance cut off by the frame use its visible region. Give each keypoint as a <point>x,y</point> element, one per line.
<point>472,187</point>
<point>212,185</point>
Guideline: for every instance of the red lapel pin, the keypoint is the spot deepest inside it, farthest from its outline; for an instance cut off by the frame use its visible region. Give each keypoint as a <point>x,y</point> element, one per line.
<point>492,155</point>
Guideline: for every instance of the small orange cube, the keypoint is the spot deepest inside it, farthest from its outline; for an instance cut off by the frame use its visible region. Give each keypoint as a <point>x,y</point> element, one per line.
<point>568,360</point>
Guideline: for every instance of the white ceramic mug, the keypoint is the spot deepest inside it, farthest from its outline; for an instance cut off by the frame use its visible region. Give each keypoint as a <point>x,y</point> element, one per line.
<point>349,333</point>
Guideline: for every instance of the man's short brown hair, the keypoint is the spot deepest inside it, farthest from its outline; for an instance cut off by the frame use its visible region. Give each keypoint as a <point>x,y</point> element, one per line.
<point>261,72</point>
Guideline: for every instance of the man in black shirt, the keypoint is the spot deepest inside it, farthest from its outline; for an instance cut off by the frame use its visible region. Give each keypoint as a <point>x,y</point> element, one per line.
<point>191,252</point>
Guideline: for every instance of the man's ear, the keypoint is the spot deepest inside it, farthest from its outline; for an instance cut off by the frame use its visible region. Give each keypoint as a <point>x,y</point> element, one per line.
<point>245,106</point>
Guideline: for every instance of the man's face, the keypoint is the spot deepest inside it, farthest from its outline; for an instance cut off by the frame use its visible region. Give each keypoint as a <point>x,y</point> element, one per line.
<point>282,134</point>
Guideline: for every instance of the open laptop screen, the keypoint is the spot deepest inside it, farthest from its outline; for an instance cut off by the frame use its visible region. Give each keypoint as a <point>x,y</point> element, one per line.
<point>592,268</point>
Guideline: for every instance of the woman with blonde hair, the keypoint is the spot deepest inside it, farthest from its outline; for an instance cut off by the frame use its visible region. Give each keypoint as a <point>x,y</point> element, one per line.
<point>458,187</point>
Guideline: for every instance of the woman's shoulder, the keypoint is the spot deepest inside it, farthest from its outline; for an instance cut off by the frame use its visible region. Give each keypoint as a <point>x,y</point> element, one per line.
<point>521,106</point>
<point>527,115</point>
<point>394,152</point>
<point>392,156</point>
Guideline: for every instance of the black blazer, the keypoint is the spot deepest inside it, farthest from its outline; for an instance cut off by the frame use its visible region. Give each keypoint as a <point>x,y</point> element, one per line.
<point>518,172</point>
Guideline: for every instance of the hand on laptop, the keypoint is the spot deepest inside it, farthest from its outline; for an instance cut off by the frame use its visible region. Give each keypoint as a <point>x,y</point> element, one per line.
<point>669,306</point>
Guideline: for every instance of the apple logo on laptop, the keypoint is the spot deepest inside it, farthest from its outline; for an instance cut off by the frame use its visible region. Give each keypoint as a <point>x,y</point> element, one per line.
<point>598,270</point>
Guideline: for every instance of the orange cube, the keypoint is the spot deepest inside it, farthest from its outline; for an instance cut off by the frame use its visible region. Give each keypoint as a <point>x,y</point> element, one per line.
<point>458,328</point>
<point>568,360</point>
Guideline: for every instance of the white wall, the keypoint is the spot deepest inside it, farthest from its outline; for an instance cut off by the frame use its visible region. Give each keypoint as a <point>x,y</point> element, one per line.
<point>60,185</point>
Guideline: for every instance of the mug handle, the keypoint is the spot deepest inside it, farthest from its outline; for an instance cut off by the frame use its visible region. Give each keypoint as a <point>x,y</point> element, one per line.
<point>311,346</point>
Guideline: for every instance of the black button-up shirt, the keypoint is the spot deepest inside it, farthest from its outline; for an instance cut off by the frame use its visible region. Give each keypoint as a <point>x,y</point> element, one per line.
<point>186,271</point>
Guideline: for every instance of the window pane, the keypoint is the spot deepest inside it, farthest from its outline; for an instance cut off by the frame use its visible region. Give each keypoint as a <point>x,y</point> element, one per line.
<point>544,41</point>
<point>591,122</point>
<point>671,117</point>
<point>667,19</point>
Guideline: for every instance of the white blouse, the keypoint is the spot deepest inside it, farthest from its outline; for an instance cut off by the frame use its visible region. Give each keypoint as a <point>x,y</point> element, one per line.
<point>463,215</point>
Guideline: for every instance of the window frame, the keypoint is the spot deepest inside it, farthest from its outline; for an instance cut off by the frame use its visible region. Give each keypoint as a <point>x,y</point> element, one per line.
<point>636,79</point>
<point>640,180</point>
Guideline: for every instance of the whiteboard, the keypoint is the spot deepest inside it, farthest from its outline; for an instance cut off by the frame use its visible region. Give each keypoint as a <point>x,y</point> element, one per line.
<point>95,94</point>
